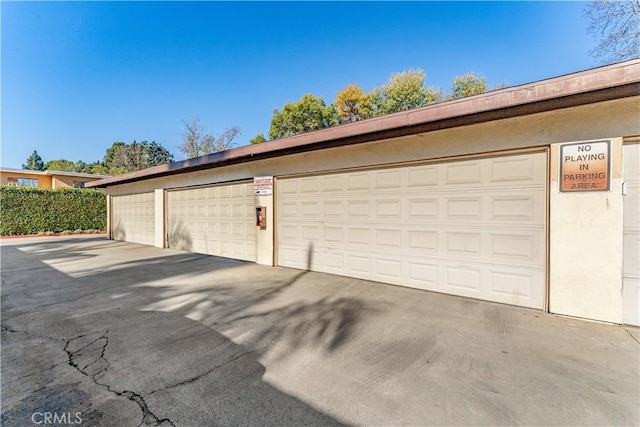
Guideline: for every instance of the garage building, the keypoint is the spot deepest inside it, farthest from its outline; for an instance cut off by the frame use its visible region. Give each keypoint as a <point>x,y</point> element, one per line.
<point>528,195</point>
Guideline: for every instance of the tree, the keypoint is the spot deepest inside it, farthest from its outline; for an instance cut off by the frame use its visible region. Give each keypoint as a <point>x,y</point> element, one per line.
<point>99,168</point>
<point>194,139</point>
<point>95,167</point>
<point>258,139</point>
<point>79,166</point>
<point>404,91</point>
<point>126,158</point>
<point>156,154</point>
<point>111,151</point>
<point>196,142</point>
<point>502,85</point>
<point>34,162</point>
<point>129,158</point>
<point>308,114</point>
<point>616,26</point>
<point>467,85</point>
<point>224,141</point>
<point>82,167</point>
<point>352,104</point>
<point>60,165</point>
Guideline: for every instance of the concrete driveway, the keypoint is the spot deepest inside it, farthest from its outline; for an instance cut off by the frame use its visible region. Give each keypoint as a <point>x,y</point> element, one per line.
<point>107,333</point>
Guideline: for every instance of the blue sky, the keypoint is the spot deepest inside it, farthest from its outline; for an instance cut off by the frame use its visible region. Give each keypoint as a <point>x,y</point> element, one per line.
<point>78,76</point>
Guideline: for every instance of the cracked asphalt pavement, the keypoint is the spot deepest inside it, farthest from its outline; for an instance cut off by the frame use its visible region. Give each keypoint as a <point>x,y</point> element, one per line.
<point>118,334</point>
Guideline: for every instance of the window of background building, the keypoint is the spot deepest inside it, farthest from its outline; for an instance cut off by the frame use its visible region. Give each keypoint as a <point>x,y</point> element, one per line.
<point>27,182</point>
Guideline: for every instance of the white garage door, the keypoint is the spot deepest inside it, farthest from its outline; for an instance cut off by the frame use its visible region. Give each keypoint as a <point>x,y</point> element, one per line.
<point>474,228</point>
<point>213,220</point>
<point>631,266</point>
<point>133,218</point>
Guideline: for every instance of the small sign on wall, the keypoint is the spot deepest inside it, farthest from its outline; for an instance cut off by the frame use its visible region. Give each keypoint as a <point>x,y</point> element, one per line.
<point>584,166</point>
<point>263,185</point>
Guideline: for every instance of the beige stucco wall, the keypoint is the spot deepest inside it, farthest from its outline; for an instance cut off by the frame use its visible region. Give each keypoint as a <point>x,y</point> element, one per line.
<point>265,238</point>
<point>109,228</point>
<point>585,240</point>
<point>159,229</point>
<point>61,181</point>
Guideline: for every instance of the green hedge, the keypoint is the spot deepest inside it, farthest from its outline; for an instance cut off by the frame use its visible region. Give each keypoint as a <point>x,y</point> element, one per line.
<point>46,210</point>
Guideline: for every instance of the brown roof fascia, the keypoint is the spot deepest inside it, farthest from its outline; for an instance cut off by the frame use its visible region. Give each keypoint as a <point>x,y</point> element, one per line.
<point>596,85</point>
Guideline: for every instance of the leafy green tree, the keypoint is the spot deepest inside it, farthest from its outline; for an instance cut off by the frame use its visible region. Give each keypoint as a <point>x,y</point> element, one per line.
<point>60,165</point>
<point>82,167</point>
<point>616,26</point>
<point>308,114</point>
<point>404,91</point>
<point>258,139</point>
<point>156,154</point>
<point>196,142</point>
<point>34,162</point>
<point>111,151</point>
<point>352,104</point>
<point>79,166</point>
<point>95,167</point>
<point>99,168</point>
<point>467,85</point>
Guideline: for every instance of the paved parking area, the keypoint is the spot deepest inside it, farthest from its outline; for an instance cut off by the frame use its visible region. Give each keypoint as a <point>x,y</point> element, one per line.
<point>112,333</point>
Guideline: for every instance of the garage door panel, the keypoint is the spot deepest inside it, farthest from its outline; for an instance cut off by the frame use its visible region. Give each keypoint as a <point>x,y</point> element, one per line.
<point>463,208</point>
<point>493,282</point>
<point>422,274</point>
<point>358,181</point>
<point>464,277</point>
<point>512,284</point>
<point>424,226</point>
<point>216,221</point>
<point>520,169</point>
<point>291,257</point>
<point>420,176</point>
<point>359,209</point>
<point>390,268</point>
<point>463,173</point>
<point>422,240</point>
<point>521,208</point>
<point>388,237</point>
<point>133,218</point>
<point>463,243</point>
<point>516,246</point>
<point>388,179</point>
<point>389,208</point>
<point>422,208</point>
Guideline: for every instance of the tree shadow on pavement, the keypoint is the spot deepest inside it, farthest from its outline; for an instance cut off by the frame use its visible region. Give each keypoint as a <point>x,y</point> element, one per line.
<point>281,306</point>
<point>172,317</point>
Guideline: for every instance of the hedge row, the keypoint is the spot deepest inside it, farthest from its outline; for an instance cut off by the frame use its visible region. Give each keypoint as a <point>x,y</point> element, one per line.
<point>46,210</point>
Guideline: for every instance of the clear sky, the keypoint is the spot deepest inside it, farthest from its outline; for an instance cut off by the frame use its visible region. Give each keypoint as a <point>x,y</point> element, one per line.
<point>78,76</point>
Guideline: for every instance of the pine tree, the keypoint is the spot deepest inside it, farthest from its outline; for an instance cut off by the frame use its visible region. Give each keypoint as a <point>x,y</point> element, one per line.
<point>34,162</point>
